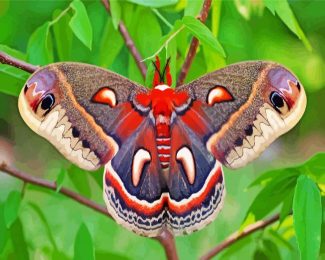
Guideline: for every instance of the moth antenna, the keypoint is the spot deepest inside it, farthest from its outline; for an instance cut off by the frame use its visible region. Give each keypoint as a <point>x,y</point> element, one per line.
<point>157,76</point>
<point>167,73</point>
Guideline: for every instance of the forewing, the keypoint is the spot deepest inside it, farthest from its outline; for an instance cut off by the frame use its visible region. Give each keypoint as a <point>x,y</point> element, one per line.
<point>76,106</point>
<point>248,105</point>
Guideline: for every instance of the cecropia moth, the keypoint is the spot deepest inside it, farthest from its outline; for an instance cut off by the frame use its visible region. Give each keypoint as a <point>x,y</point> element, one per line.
<point>162,148</point>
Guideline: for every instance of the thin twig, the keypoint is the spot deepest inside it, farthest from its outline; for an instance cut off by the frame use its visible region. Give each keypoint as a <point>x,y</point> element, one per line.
<point>7,59</point>
<point>129,43</point>
<point>27,178</point>
<point>194,44</point>
<point>240,235</point>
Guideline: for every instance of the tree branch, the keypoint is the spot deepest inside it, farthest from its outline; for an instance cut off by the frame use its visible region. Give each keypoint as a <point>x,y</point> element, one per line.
<point>240,235</point>
<point>7,59</point>
<point>194,44</point>
<point>166,239</point>
<point>129,43</point>
<point>27,178</point>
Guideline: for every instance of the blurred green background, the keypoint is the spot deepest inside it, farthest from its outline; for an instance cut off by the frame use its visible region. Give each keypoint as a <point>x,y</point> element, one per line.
<point>291,33</point>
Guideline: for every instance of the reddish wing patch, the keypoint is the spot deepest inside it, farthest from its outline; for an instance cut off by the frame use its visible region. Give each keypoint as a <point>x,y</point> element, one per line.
<point>218,94</point>
<point>105,96</point>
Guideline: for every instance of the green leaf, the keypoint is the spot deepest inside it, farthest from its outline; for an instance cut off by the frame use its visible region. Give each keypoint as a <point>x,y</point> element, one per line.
<point>80,180</point>
<point>269,198</point>
<point>111,45</point>
<point>215,17</point>
<point>115,12</point>
<point>193,8</point>
<point>278,174</point>
<point>171,50</point>
<point>83,246</point>
<point>322,246</point>
<point>280,240</point>
<point>60,179</point>
<point>154,3</point>
<point>203,33</point>
<point>286,206</point>
<point>249,8</point>
<point>282,8</point>
<point>307,217</point>
<point>260,255</point>
<point>108,255</point>
<point>11,208</point>
<point>19,241</point>
<point>42,220</point>
<point>167,39</point>
<point>3,229</point>
<point>80,23</point>
<point>213,59</point>
<point>232,251</point>
<point>60,255</point>
<point>150,75</point>
<point>271,250</point>
<point>62,35</point>
<point>147,40</point>
<point>314,167</point>
<point>38,48</point>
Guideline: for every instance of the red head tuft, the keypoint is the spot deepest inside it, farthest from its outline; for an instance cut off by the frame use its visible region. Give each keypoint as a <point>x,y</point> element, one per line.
<point>157,77</point>
<point>168,75</point>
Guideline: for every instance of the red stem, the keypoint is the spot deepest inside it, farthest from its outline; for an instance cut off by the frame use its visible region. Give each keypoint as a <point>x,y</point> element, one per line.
<point>194,44</point>
<point>129,43</point>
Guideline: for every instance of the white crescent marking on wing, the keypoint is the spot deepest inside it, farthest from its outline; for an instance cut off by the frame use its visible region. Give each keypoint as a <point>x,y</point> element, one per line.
<point>109,94</point>
<point>140,158</point>
<point>186,157</point>
<point>214,93</point>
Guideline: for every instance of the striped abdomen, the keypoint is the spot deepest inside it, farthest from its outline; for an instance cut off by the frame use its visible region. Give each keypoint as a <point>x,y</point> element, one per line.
<point>163,146</point>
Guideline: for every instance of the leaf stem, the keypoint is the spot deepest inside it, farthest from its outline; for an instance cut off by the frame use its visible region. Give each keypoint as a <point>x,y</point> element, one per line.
<point>60,15</point>
<point>162,18</point>
<point>165,44</point>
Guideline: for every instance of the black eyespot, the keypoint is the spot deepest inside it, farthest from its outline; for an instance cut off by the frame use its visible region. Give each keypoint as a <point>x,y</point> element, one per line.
<point>276,100</point>
<point>75,132</point>
<point>47,102</point>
